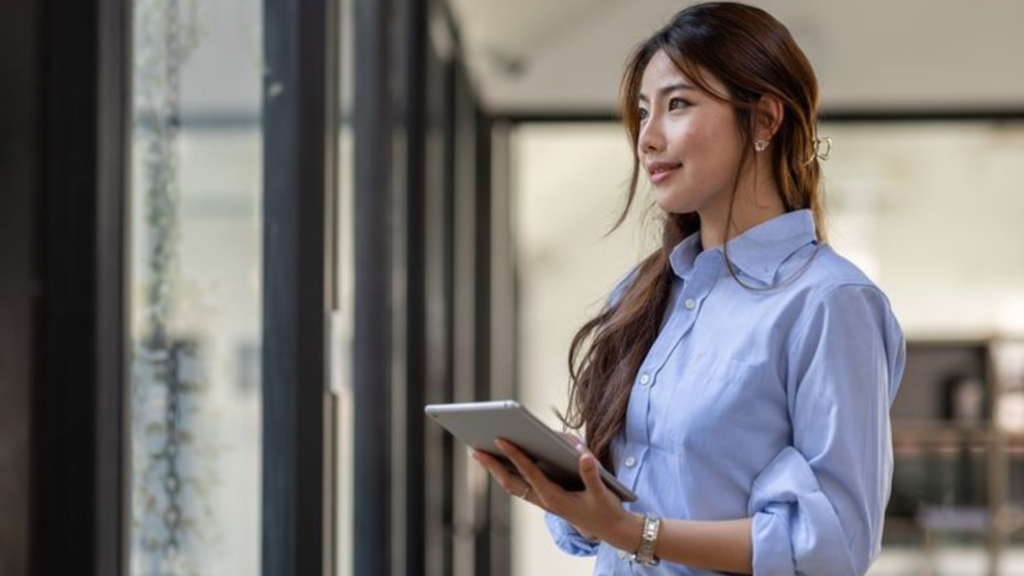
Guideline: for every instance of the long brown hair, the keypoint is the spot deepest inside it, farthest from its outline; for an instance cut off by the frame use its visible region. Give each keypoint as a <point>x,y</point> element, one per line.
<point>753,55</point>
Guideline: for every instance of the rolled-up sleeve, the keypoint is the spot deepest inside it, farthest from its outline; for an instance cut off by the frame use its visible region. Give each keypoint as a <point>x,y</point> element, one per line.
<point>567,538</point>
<point>818,507</point>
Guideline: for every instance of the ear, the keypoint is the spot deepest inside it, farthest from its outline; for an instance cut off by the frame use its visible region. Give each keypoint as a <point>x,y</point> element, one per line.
<point>768,117</point>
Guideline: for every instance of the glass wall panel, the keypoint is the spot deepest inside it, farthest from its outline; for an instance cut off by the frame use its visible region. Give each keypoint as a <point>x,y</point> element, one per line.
<point>342,321</point>
<point>567,183</point>
<point>196,288</point>
<point>931,211</point>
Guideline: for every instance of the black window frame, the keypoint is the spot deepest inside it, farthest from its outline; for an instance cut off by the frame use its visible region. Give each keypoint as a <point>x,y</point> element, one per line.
<point>301,50</point>
<point>79,503</point>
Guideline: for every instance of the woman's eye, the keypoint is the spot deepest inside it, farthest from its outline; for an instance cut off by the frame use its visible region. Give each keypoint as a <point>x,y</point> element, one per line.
<point>643,114</point>
<point>677,104</point>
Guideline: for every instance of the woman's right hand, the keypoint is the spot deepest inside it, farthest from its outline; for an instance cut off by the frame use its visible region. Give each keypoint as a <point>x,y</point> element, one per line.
<point>575,441</point>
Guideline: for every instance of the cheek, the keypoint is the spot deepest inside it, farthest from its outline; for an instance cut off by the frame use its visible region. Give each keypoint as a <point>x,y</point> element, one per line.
<point>697,147</point>
<point>689,137</point>
<point>715,146</point>
<point>698,135</point>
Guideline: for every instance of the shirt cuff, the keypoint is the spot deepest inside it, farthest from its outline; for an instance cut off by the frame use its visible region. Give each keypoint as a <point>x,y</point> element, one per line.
<point>795,528</point>
<point>567,538</point>
<point>773,552</point>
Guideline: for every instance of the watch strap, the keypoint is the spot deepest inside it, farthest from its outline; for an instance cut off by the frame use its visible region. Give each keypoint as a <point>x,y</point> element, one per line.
<point>648,538</point>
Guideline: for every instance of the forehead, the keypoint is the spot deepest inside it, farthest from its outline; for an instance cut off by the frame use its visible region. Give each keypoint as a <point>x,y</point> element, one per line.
<point>662,72</point>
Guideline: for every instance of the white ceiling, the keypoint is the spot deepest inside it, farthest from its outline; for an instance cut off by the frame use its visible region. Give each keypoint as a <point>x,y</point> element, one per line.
<point>565,56</point>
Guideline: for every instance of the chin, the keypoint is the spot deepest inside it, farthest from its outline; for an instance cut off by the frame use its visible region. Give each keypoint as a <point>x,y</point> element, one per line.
<point>673,204</point>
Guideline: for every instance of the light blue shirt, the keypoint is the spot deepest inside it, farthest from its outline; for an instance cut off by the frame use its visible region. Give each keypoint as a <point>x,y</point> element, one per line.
<point>765,404</point>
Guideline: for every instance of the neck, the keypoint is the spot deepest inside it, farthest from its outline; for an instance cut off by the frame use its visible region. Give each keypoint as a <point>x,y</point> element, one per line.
<point>751,206</point>
<point>714,232</point>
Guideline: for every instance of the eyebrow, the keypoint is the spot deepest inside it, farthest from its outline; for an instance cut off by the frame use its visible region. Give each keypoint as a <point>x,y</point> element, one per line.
<point>668,89</point>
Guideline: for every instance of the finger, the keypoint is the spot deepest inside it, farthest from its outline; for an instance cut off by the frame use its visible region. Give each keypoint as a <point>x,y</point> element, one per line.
<point>544,487</point>
<point>501,467</point>
<point>589,471</point>
<point>532,498</point>
<point>589,462</point>
<point>526,467</point>
<point>571,438</point>
<point>493,465</point>
<point>581,448</point>
<point>510,481</point>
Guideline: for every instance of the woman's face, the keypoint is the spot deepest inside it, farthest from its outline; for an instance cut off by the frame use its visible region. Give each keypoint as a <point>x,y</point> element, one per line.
<point>689,144</point>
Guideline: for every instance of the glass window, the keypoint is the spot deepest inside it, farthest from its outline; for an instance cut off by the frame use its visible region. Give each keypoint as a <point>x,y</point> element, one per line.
<point>342,317</point>
<point>196,288</point>
<point>930,211</point>
<point>568,182</point>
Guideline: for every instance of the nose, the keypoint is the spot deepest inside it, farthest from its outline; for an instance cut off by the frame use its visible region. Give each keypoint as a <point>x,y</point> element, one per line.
<point>651,138</point>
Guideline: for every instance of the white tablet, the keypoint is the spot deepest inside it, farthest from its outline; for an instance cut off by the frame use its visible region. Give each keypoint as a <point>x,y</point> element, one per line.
<point>479,424</point>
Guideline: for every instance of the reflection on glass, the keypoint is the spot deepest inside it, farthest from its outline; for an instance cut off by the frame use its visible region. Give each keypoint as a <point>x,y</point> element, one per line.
<point>342,317</point>
<point>195,288</point>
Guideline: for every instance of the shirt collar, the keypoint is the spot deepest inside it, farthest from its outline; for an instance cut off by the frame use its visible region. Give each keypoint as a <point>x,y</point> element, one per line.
<point>759,251</point>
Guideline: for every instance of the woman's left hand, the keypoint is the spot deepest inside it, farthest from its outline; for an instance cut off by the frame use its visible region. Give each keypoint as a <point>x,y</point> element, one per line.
<point>595,511</point>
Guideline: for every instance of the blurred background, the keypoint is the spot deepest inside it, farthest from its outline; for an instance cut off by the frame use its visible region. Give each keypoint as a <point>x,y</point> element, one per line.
<point>242,243</point>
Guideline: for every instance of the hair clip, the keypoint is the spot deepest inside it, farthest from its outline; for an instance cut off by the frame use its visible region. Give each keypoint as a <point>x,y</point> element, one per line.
<point>822,149</point>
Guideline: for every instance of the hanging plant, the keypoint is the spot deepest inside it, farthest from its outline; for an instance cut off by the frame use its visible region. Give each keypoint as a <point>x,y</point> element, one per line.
<point>167,382</point>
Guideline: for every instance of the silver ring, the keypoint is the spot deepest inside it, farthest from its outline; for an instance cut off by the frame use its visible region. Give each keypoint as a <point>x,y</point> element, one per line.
<point>527,493</point>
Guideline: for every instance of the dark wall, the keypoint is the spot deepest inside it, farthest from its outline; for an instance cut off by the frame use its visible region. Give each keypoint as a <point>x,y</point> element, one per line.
<point>18,98</point>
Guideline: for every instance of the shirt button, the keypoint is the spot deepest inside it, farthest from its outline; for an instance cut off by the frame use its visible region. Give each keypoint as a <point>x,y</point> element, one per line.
<point>630,462</point>
<point>622,554</point>
<point>690,303</point>
<point>645,379</point>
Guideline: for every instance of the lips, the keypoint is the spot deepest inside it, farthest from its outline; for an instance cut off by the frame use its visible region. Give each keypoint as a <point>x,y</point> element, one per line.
<point>660,171</point>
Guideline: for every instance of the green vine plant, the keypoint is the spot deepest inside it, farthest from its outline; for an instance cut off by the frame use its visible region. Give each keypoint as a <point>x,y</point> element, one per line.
<point>172,475</point>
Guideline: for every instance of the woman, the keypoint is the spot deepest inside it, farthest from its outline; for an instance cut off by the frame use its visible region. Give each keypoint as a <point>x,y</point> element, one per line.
<point>740,378</point>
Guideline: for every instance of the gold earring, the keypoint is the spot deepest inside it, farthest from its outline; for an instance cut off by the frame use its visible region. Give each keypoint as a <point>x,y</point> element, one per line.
<point>760,145</point>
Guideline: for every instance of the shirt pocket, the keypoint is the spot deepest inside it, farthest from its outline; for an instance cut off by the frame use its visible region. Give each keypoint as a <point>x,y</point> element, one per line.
<point>714,402</point>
